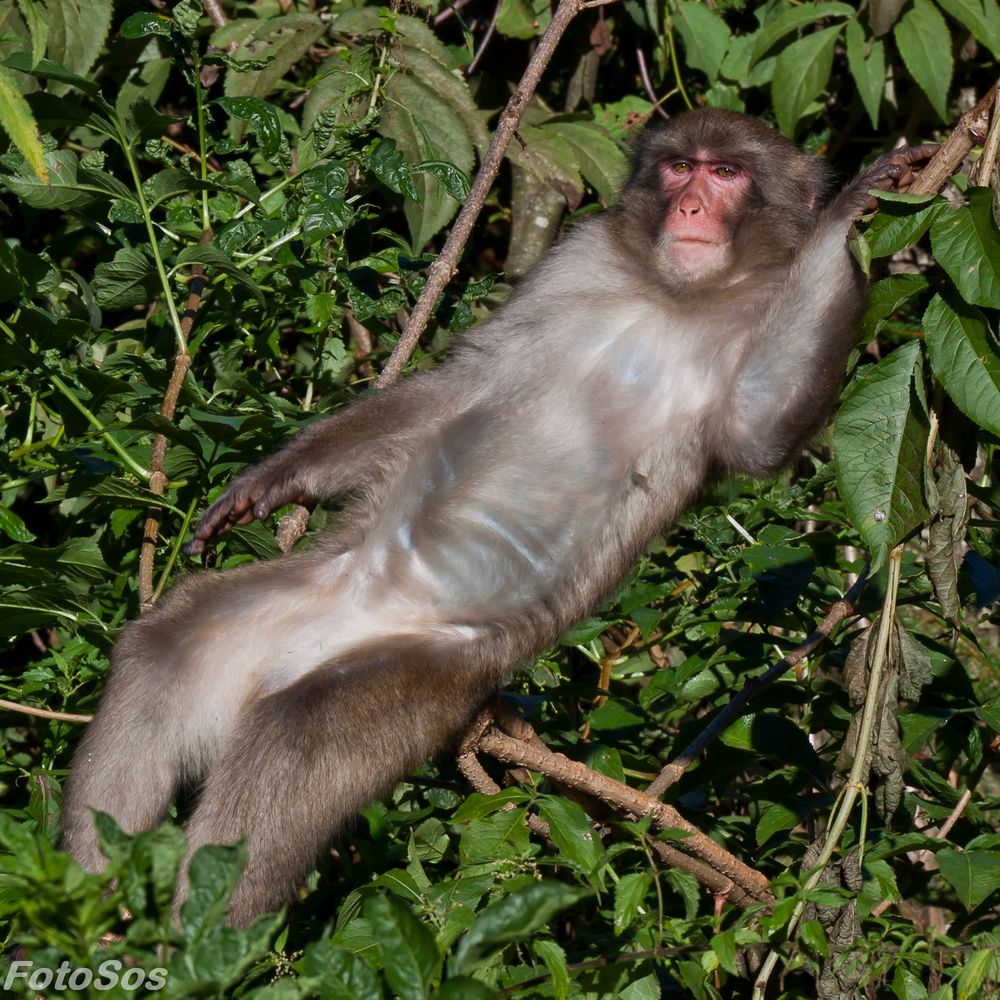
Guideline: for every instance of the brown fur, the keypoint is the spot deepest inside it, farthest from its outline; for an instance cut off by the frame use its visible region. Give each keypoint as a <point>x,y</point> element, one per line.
<point>496,499</point>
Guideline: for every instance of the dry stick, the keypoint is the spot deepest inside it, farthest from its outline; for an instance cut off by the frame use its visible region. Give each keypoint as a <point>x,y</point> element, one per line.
<point>673,771</point>
<point>215,13</point>
<point>440,272</point>
<point>43,713</point>
<point>956,147</point>
<point>570,772</point>
<point>158,479</point>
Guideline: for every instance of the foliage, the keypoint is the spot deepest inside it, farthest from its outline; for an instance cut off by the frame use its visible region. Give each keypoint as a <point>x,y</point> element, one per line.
<point>325,149</point>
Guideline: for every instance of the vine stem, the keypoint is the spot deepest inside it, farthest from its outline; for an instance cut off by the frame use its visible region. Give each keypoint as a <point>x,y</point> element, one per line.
<point>441,271</point>
<point>855,784</point>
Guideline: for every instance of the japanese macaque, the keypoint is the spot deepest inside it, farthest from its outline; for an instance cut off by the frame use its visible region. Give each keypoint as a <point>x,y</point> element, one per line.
<point>699,327</point>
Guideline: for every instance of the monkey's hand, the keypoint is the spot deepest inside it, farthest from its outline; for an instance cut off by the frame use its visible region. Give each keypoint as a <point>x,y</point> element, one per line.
<point>253,495</point>
<point>895,171</point>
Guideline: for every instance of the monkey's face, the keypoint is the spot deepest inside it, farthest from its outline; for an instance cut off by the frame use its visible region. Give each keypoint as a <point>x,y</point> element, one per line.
<point>705,199</point>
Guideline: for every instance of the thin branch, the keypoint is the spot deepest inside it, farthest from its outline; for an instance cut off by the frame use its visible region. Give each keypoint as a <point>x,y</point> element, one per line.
<point>487,37</point>
<point>747,880</point>
<point>647,84</point>
<point>158,478</point>
<point>673,771</point>
<point>43,713</point>
<point>956,147</point>
<point>440,272</point>
<point>215,13</point>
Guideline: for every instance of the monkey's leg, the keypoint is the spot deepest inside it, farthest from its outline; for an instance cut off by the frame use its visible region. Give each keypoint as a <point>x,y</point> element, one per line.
<point>127,764</point>
<point>156,725</point>
<point>304,760</point>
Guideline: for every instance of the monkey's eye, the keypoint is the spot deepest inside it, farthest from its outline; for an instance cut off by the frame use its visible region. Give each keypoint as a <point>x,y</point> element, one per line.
<point>724,170</point>
<point>680,167</point>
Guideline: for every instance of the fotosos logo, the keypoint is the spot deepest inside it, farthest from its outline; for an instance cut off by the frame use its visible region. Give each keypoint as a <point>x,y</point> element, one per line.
<point>109,974</point>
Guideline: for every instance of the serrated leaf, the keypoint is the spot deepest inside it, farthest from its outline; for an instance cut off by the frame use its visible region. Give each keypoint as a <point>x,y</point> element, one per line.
<point>602,161</point>
<point>19,123</point>
<point>982,19</point>
<point>630,892</point>
<point>879,445</point>
<point>409,954</point>
<point>555,961</point>
<point>924,43</point>
<point>572,833</point>
<point>791,20</point>
<point>867,68</point>
<point>125,281</point>
<point>898,225</point>
<point>885,298</point>
<point>705,36</point>
<point>966,244</point>
<point>426,127</point>
<point>77,32</point>
<point>974,875</point>
<point>281,42</point>
<point>517,916</point>
<point>455,181</point>
<point>964,357</point>
<point>801,73</point>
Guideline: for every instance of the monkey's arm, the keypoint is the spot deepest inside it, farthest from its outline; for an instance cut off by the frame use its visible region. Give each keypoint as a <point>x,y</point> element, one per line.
<point>325,459</point>
<point>789,379</point>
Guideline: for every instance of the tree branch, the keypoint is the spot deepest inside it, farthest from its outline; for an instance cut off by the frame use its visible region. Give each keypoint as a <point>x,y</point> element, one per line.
<point>441,271</point>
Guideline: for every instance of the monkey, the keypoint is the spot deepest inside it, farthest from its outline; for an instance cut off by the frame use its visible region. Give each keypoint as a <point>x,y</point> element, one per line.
<point>699,327</point>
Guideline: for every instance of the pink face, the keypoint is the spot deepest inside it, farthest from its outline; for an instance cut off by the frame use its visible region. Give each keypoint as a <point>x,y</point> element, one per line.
<point>705,196</point>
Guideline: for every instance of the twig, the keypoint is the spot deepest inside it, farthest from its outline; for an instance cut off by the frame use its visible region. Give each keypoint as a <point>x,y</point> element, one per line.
<point>158,478</point>
<point>956,147</point>
<point>647,84</point>
<point>452,8</point>
<point>440,272</point>
<point>673,771</point>
<point>487,37</point>
<point>43,713</point>
<point>745,879</point>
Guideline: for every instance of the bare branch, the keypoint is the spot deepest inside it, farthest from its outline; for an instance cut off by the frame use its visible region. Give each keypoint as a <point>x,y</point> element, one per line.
<point>440,272</point>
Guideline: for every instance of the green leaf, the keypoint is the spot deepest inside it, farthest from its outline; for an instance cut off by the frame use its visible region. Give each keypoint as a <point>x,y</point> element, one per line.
<point>879,443</point>
<point>800,76</point>
<point>48,69</point>
<point>974,875</point>
<point>515,917</point>
<point>409,954</point>
<point>263,119</point>
<point>924,42</point>
<point>19,123</point>
<point>980,17</point>
<point>555,961</point>
<point>213,258</point>
<point>572,833</point>
<point>337,974</point>
<point>885,298</point>
<point>964,357</point>
<point>601,160</point>
<point>272,48</point>
<point>128,280</point>
<point>791,20</point>
<point>455,181</point>
<point>630,894</point>
<point>143,24</point>
<point>387,163</point>
<point>705,36</point>
<point>214,871</point>
<point>523,18</point>
<point>77,32</point>
<point>900,224</point>
<point>867,67</point>
<point>426,127</point>
<point>966,244</point>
